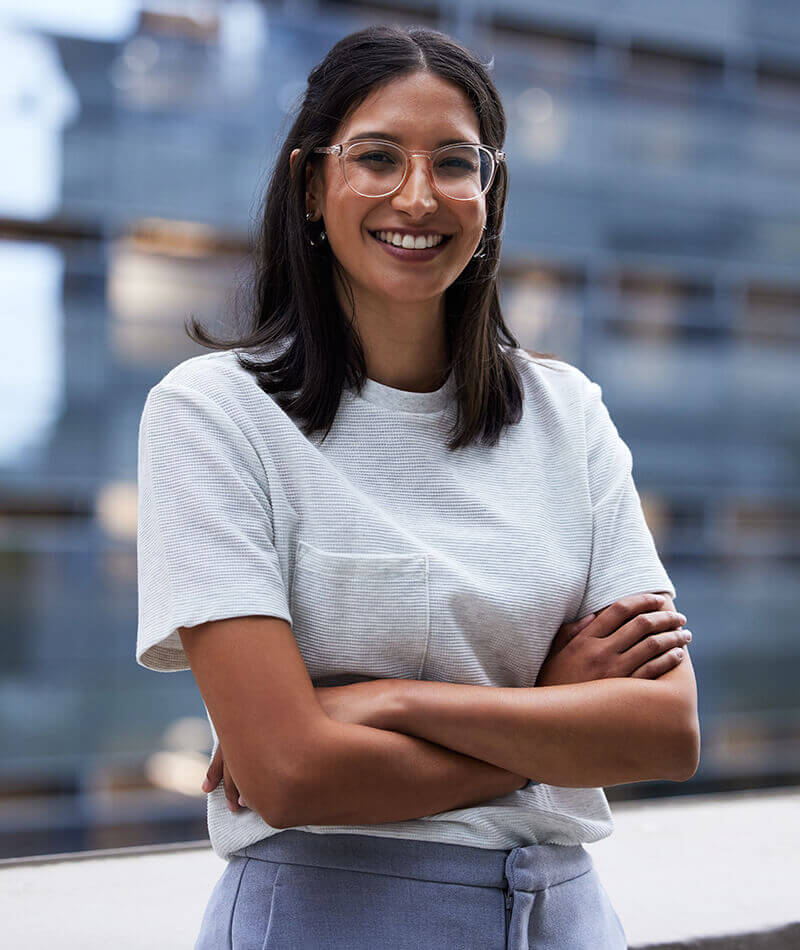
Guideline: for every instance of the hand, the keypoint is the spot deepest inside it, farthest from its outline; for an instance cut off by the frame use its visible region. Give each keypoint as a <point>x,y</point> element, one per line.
<point>367,703</point>
<point>631,637</point>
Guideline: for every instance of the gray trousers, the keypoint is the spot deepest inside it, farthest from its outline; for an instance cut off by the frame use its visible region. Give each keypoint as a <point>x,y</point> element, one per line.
<point>302,891</point>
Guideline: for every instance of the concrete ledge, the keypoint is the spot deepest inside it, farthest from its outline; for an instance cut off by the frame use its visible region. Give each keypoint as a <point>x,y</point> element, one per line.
<point>713,872</point>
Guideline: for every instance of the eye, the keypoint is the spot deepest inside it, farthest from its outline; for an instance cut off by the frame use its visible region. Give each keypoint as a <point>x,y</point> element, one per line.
<point>376,157</point>
<point>458,163</point>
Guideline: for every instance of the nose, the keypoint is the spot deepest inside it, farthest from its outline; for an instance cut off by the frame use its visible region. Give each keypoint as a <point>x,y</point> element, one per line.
<point>417,196</point>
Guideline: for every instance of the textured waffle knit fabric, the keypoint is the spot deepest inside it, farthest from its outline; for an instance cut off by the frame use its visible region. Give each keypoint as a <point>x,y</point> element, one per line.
<point>387,554</point>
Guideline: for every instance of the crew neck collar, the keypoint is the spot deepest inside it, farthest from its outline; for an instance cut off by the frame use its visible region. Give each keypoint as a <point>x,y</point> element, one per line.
<point>405,401</point>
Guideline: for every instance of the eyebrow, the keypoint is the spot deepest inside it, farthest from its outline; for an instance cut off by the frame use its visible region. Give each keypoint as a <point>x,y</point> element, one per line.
<point>393,138</point>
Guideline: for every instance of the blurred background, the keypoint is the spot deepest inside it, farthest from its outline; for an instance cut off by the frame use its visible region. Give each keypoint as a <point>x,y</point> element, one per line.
<point>652,239</point>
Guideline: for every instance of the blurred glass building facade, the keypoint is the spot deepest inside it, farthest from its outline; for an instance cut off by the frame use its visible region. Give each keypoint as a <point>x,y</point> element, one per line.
<point>652,238</point>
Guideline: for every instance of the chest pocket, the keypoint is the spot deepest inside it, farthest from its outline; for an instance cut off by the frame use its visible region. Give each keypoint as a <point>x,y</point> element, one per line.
<point>360,614</point>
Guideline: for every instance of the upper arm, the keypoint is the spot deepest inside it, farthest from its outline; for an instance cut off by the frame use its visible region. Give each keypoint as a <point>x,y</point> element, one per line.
<point>206,546</point>
<point>261,701</point>
<point>623,557</point>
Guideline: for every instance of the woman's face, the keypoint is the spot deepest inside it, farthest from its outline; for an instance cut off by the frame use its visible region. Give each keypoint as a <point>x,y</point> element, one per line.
<point>419,111</point>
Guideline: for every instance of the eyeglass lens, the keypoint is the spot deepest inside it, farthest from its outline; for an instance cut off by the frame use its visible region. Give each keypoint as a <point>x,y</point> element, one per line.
<point>459,171</point>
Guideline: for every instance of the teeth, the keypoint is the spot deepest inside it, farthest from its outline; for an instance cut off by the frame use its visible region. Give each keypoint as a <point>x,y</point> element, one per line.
<point>409,241</point>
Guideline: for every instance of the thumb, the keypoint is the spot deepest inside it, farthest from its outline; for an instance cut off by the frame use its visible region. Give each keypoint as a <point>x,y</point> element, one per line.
<point>567,631</point>
<point>584,622</point>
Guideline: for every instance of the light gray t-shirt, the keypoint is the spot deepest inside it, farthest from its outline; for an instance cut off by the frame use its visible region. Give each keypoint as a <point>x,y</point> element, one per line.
<point>388,555</point>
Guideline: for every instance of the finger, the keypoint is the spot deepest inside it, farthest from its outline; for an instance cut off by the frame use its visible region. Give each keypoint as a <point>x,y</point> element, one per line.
<point>660,665</point>
<point>214,773</point>
<point>612,617</point>
<point>621,611</point>
<point>231,791</point>
<point>653,647</point>
<point>644,626</point>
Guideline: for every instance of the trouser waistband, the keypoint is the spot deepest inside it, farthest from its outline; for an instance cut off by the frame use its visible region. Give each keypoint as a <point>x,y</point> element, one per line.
<point>529,868</point>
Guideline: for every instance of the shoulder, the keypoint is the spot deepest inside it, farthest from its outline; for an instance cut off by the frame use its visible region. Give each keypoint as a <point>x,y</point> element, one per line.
<point>209,374</point>
<point>216,378</point>
<point>206,408</point>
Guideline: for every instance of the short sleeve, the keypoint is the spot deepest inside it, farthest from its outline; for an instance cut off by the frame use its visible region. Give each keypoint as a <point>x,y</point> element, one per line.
<point>624,558</point>
<point>205,531</point>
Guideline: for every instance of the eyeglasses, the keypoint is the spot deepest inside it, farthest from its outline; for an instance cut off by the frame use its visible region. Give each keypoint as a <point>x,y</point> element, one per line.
<point>376,169</point>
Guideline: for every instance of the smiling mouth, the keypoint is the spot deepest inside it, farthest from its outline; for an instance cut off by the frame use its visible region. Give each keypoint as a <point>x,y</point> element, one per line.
<point>398,241</point>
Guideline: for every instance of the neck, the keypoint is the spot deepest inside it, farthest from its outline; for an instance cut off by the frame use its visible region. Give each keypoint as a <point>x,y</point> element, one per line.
<point>404,342</point>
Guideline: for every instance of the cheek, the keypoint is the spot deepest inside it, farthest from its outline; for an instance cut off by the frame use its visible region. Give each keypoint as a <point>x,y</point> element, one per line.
<point>471,222</point>
<point>345,221</point>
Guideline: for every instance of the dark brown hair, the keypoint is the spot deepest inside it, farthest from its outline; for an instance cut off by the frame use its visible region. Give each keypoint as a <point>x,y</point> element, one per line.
<point>294,306</point>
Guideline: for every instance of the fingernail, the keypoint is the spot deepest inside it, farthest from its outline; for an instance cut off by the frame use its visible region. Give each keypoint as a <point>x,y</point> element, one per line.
<point>206,786</point>
<point>241,800</point>
<point>687,635</point>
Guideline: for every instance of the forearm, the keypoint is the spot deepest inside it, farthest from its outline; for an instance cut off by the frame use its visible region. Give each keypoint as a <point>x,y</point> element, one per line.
<point>599,733</point>
<point>362,775</point>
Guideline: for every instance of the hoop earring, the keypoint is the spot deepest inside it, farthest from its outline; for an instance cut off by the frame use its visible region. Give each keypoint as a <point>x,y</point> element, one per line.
<point>481,249</point>
<point>322,235</point>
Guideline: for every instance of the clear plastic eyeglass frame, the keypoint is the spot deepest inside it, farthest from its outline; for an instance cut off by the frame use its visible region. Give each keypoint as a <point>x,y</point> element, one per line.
<point>342,148</point>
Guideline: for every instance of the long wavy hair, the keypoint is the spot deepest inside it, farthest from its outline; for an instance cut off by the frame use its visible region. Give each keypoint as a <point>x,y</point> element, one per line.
<point>293,310</point>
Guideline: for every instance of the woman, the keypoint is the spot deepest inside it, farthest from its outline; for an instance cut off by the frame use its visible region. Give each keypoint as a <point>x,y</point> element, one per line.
<point>366,611</point>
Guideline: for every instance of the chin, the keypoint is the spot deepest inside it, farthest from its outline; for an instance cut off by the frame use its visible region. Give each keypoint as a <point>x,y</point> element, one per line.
<point>414,286</point>
<point>405,293</point>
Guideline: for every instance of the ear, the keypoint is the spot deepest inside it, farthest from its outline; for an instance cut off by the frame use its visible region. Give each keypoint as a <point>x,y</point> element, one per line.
<point>313,181</point>
<point>313,186</point>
